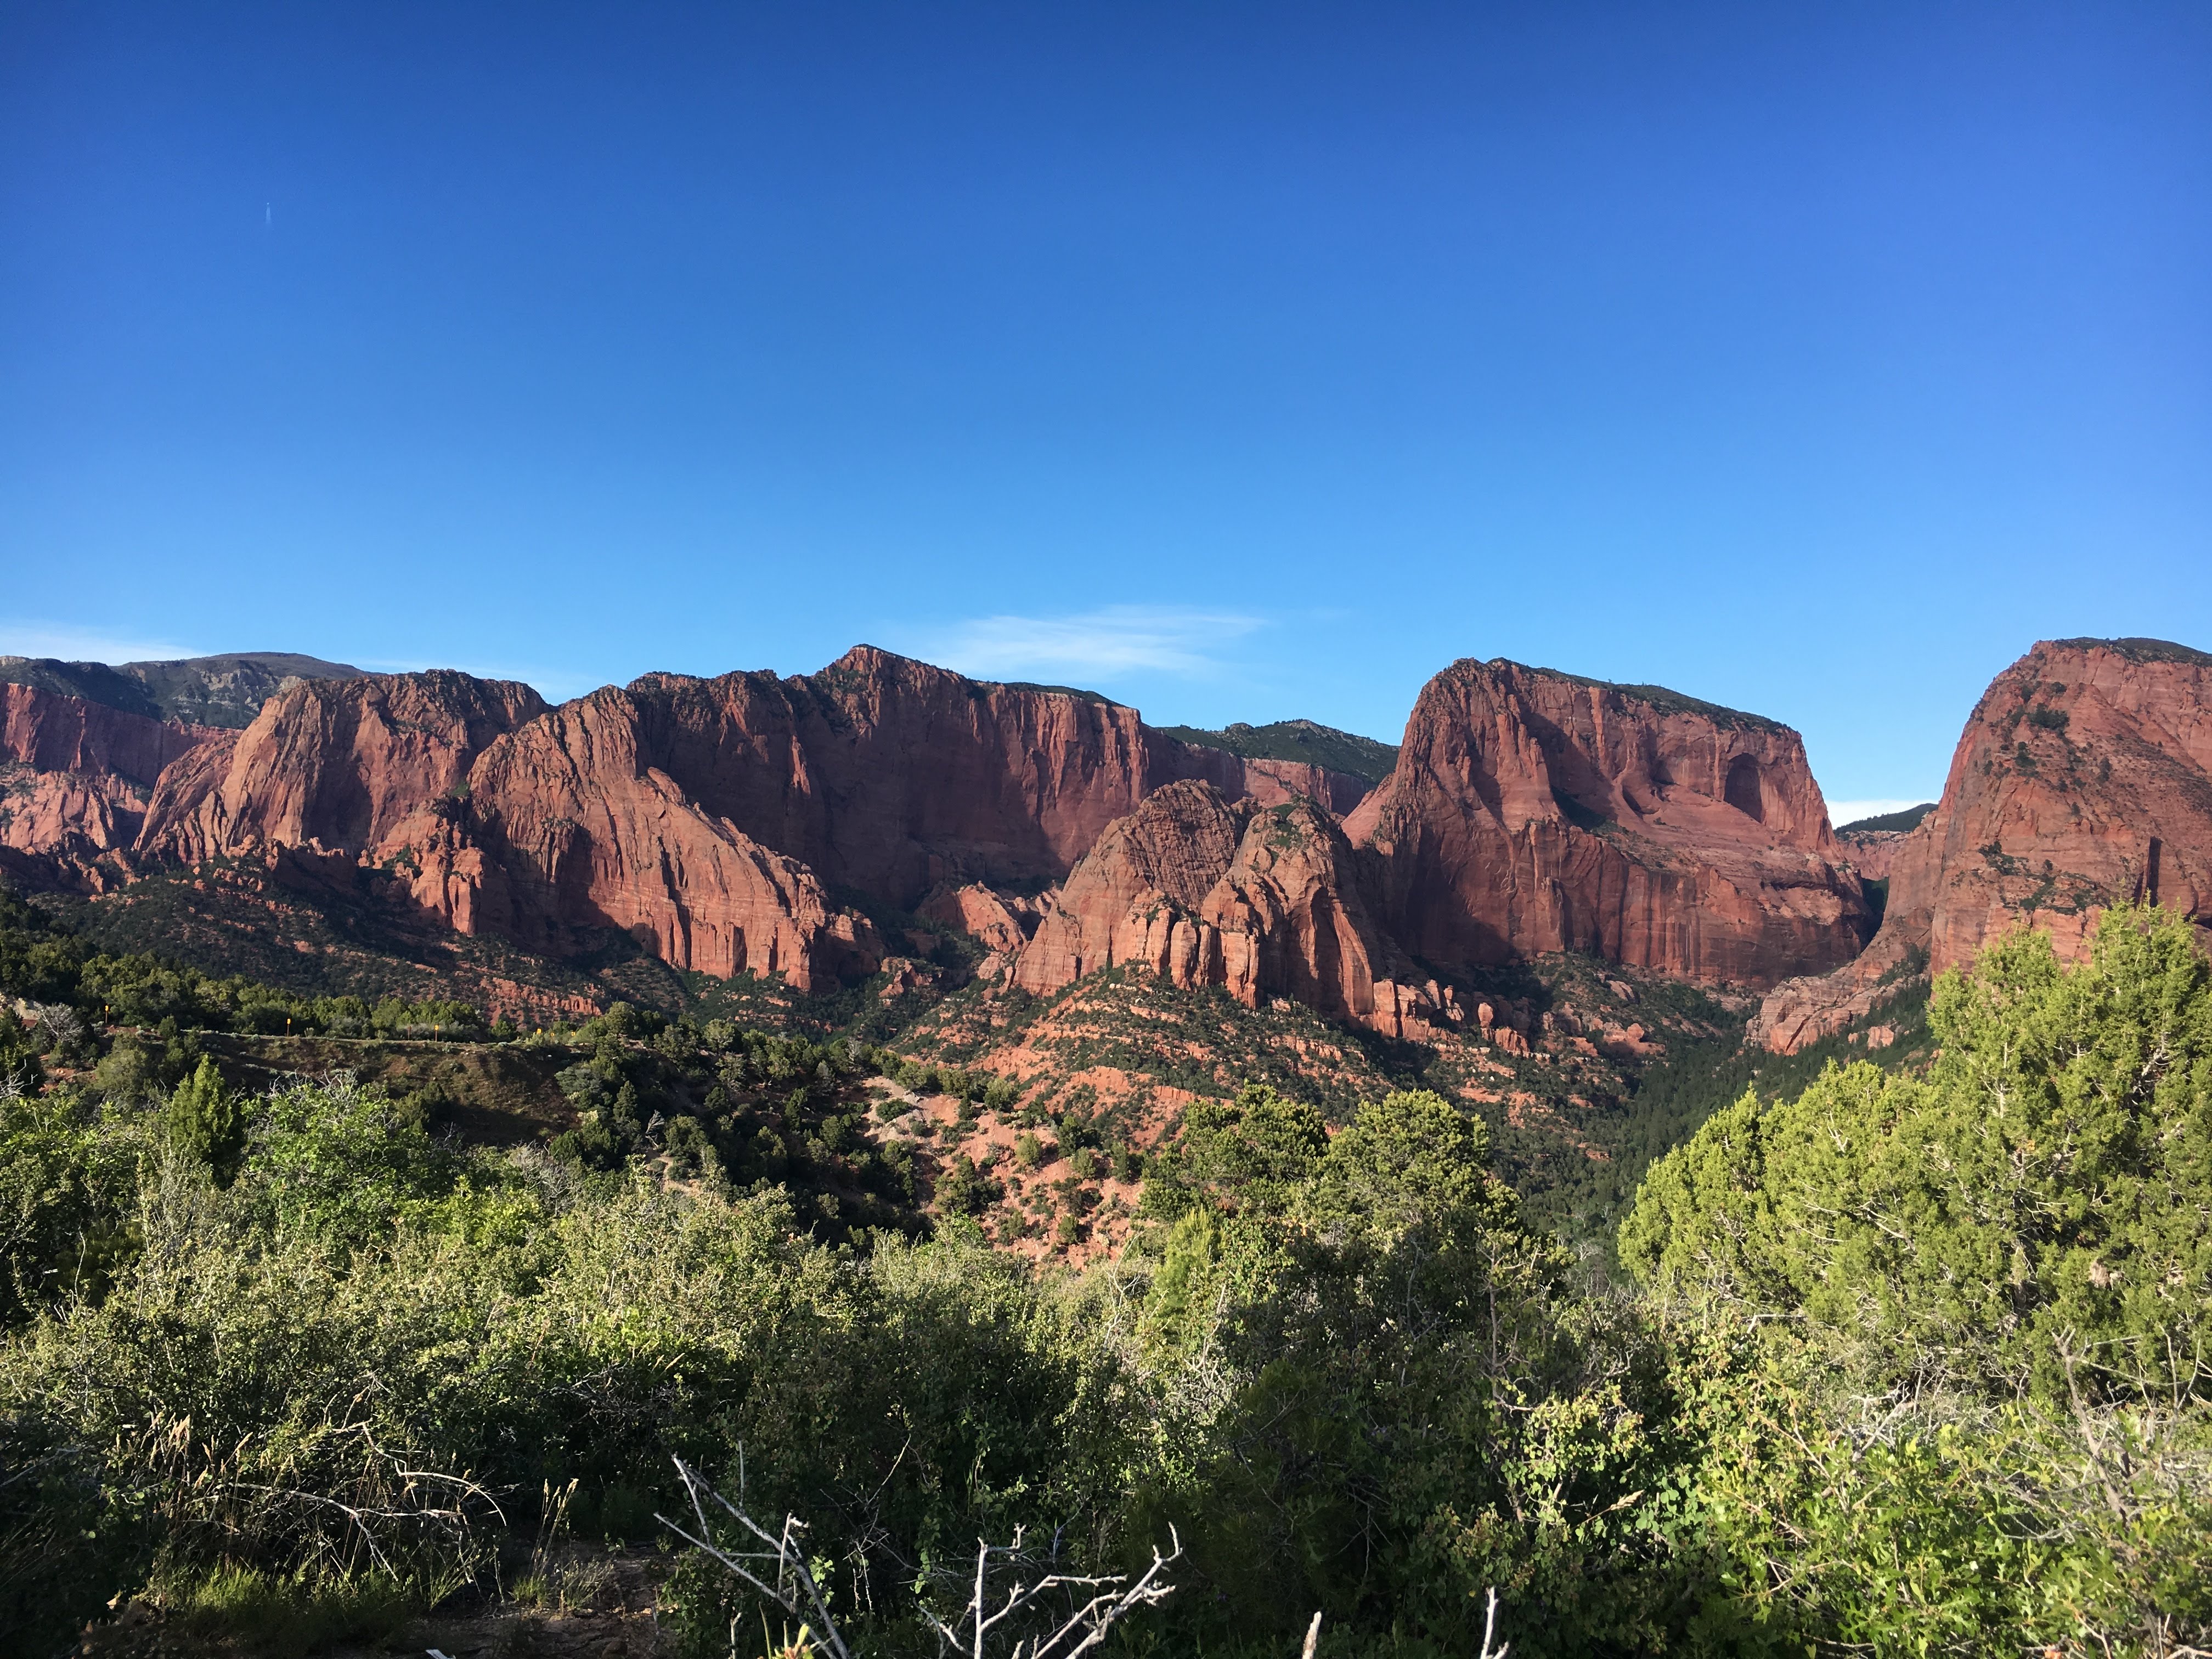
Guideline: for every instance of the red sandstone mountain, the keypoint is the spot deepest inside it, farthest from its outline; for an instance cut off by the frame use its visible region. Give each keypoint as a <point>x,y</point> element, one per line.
<point>879,773</point>
<point>1204,891</point>
<point>2084,777</point>
<point>718,821</point>
<point>711,818</point>
<point>76,776</point>
<point>334,764</point>
<point>1533,812</point>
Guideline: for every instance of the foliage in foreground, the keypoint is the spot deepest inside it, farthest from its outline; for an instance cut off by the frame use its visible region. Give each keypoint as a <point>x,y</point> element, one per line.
<point>1970,1314</point>
<point>1916,1369</point>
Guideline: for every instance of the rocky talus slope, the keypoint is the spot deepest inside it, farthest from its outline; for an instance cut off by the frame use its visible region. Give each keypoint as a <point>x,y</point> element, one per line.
<point>1531,811</point>
<point>2083,778</point>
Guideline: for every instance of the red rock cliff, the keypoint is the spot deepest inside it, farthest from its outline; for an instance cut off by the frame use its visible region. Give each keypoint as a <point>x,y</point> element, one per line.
<point>1204,891</point>
<point>709,818</point>
<point>48,732</point>
<point>80,774</point>
<point>2084,777</point>
<point>578,821</point>
<point>1533,812</point>
<point>878,774</point>
<point>891,776</point>
<point>333,764</point>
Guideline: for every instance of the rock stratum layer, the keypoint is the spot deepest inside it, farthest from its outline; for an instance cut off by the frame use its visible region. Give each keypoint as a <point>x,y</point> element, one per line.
<point>2083,779</point>
<point>1532,812</point>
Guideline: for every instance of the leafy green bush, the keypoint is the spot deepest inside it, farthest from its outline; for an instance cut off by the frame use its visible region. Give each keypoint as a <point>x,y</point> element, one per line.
<point>1968,1401</point>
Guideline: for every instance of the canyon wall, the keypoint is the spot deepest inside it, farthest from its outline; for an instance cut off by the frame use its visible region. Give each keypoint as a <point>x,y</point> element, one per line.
<point>710,818</point>
<point>75,781</point>
<point>332,764</point>
<point>1204,891</point>
<point>743,823</point>
<point>2083,778</point>
<point>1534,812</point>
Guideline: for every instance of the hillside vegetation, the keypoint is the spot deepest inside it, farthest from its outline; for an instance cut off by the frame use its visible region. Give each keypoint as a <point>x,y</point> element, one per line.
<point>1298,740</point>
<point>1914,1361</point>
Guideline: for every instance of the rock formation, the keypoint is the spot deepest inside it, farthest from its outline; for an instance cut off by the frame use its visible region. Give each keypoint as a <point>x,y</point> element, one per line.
<point>2083,778</point>
<point>1533,812</point>
<point>75,778</point>
<point>592,817</point>
<point>709,818</point>
<point>50,732</point>
<point>335,764</point>
<point>1263,901</point>
<point>892,777</point>
<point>743,823</point>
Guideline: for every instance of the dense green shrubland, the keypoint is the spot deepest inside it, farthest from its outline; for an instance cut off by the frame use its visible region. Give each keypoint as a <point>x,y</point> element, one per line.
<point>1966,1315</point>
<point>1917,1366</point>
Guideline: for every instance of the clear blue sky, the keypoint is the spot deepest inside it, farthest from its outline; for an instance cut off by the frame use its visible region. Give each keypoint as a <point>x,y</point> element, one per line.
<point>1242,362</point>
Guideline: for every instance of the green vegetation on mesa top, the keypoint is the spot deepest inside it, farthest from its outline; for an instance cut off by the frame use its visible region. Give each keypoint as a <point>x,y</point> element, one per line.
<point>2143,650</point>
<point>226,690</point>
<point>1883,823</point>
<point>1660,698</point>
<point>1298,740</point>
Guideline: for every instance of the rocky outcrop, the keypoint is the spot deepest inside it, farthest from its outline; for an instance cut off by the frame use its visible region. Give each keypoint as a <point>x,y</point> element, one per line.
<point>2083,778</point>
<point>1533,812</point>
<point>1001,921</point>
<point>333,764</point>
<point>1269,781</point>
<point>575,823</point>
<point>48,732</point>
<point>1203,890</point>
<point>70,817</point>
<point>75,778</point>
<point>1871,853</point>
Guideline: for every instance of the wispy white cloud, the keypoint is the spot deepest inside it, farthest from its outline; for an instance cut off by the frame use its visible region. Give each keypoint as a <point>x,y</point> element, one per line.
<point>1119,639</point>
<point>23,637</point>
<point>1851,812</point>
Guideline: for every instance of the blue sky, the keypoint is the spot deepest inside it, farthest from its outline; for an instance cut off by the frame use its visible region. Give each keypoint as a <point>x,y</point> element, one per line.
<point>1241,361</point>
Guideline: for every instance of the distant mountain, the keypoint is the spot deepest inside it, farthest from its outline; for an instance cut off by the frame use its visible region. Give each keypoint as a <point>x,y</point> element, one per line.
<point>1298,740</point>
<point>1887,823</point>
<point>226,690</point>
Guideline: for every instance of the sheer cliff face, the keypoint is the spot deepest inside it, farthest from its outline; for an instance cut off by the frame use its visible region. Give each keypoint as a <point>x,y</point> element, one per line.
<point>710,818</point>
<point>877,772</point>
<point>2083,778</point>
<point>76,776</point>
<point>332,763</point>
<point>1202,890</point>
<point>885,774</point>
<point>1532,812</point>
